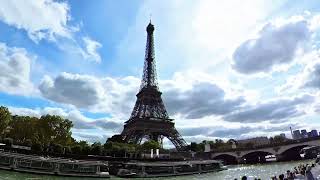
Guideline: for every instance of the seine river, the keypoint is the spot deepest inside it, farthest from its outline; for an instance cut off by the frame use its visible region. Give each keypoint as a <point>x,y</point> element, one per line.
<point>264,171</point>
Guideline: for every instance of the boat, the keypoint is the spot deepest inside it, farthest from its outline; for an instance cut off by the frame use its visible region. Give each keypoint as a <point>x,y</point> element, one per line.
<point>53,166</point>
<point>271,158</point>
<point>163,169</point>
<point>125,173</point>
<point>310,152</point>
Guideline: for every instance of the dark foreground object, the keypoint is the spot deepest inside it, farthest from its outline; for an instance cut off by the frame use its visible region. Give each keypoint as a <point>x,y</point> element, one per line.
<point>53,166</point>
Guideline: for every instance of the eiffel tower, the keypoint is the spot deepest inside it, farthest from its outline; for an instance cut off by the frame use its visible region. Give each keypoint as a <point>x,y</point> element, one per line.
<point>149,118</point>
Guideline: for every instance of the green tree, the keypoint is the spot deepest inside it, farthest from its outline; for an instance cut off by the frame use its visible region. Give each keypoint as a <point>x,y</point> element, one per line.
<point>96,148</point>
<point>67,150</point>
<point>278,139</point>
<point>54,129</point>
<point>18,130</point>
<point>5,118</point>
<point>194,146</point>
<point>86,149</point>
<point>37,147</point>
<point>116,138</point>
<point>57,148</point>
<point>76,149</point>
<point>150,145</point>
<point>119,149</point>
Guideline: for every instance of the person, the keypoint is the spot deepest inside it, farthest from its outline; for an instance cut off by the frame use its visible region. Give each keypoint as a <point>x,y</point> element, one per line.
<point>291,176</point>
<point>288,173</point>
<point>244,178</point>
<point>309,174</point>
<point>281,176</point>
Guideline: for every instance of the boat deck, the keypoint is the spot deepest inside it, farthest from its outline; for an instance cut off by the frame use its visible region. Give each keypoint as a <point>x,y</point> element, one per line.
<point>164,169</point>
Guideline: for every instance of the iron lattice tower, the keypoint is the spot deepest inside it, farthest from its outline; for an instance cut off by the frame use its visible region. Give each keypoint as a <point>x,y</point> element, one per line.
<point>149,118</point>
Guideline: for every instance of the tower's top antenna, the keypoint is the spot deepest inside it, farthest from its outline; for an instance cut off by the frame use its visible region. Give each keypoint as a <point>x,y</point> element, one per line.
<point>150,17</point>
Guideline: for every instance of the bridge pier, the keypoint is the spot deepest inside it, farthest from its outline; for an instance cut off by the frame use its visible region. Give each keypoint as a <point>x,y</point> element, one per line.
<point>279,157</point>
<point>240,160</point>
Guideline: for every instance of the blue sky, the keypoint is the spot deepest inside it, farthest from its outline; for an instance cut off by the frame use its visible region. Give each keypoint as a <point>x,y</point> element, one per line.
<point>227,69</point>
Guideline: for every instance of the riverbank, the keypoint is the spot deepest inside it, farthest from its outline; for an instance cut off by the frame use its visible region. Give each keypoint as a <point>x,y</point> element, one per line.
<point>263,171</point>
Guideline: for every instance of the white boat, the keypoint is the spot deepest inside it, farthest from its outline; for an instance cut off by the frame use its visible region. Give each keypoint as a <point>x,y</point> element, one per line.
<point>53,166</point>
<point>162,169</point>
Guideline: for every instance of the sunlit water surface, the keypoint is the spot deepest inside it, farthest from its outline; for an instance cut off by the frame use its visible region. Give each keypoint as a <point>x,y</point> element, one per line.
<point>264,171</point>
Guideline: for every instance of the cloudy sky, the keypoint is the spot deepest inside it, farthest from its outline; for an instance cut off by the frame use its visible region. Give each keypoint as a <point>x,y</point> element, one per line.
<point>227,69</point>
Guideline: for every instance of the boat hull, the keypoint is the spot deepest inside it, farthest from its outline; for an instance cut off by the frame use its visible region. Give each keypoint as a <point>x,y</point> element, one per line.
<point>166,169</point>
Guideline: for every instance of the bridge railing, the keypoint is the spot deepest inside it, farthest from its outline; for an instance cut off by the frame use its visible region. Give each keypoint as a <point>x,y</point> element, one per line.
<point>271,145</point>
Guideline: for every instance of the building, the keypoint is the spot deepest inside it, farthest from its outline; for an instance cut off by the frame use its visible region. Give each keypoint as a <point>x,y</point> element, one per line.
<point>309,134</point>
<point>314,133</point>
<point>283,135</point>
<point>304,133</point>
<point>207,147</point>
<point>257,141</point>
<point>296,134</point>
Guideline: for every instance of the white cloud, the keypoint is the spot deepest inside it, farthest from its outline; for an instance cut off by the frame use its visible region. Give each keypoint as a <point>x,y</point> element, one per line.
<point>276,110</point>
<point>237,131</point>
<point>202,98</point>
<point>306,78</point>
<point>186,96</point>
<point>111,95</point>
<point>15,65</point>
<point>49,20</point>
<point>91,48</point>
<point>38,112</point>
<point>276,45</point>
<point>117,95</point>
<point>198,35</point>
<point>313,79</point>
<point>191,95</point>
<point>79,90</point>
<point>91,137</point>
<point>40,18</point>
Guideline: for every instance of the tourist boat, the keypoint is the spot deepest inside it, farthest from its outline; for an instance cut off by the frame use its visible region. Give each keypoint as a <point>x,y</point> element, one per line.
<point>161,169</point>
<point>52,166</point>
<point>310,152</point>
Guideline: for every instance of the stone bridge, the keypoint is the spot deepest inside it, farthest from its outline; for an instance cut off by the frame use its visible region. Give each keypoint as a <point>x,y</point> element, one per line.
<point>282,152</point>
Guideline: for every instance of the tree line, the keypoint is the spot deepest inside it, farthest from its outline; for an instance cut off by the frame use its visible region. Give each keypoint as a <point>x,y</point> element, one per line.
<point>51,134</point>
<point>221,145</point>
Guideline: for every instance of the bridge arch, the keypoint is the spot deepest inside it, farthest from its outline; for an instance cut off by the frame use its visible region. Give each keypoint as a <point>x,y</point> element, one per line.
<point>311,143</point>
<point>269,151</point>
<point>291,152</point>
<point>257,156</point>
<point>226,158</point>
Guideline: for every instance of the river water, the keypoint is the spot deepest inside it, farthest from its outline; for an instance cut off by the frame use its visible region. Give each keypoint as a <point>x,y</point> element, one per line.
<point>264,171</point>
